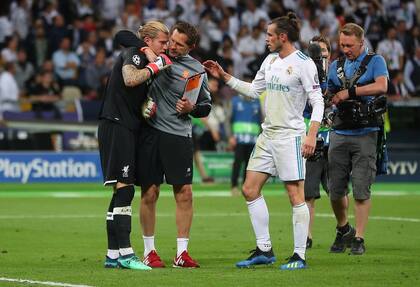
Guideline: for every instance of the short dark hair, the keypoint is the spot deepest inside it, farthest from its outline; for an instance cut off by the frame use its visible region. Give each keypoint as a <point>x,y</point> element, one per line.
<point>288,24</point>
<point>324,40</point>
<point>189,30</point>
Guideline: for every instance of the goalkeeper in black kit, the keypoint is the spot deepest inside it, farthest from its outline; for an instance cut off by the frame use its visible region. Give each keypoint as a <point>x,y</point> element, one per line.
<point>118,131</point>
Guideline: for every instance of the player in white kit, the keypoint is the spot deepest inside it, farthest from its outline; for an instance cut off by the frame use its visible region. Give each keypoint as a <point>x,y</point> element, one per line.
<point>290,79</point>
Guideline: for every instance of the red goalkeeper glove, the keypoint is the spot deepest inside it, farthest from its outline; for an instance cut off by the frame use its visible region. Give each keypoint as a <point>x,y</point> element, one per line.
<point>162,62</point>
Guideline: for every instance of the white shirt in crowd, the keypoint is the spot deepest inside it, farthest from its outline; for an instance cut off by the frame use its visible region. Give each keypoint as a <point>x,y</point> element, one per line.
<point>391,50</point>
<point>9,93</point>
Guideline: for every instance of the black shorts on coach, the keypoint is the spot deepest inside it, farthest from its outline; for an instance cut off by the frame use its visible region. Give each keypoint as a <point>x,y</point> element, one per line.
<point>164,156</point>
<point>117,150</point>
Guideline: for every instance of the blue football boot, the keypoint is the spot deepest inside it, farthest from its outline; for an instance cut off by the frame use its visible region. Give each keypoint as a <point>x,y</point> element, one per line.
<point>257,257</point>
<point>294,263</point>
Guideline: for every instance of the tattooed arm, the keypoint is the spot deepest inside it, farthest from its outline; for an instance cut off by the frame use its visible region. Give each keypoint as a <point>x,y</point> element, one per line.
<point>133,76</point>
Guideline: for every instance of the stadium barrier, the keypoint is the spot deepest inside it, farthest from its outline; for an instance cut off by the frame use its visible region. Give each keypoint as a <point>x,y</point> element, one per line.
<point>25,167</point>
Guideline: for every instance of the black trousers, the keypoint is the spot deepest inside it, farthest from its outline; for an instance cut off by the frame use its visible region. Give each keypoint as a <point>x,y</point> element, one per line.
<point>242,154</point>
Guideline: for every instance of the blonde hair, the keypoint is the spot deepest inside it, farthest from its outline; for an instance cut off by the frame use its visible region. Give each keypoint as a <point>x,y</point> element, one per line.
<point>151,29</point>
<point>352,29</point>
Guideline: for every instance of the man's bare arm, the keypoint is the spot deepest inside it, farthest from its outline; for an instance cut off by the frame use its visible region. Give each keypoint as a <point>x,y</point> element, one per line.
<point>133,76</point>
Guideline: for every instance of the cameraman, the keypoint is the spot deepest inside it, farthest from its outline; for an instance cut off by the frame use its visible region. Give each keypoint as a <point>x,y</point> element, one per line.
<point>317,165</point>
<point>357,82</point>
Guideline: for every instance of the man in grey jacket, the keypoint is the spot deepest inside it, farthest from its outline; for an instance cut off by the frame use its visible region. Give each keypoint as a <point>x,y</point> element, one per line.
<point>166,149</point>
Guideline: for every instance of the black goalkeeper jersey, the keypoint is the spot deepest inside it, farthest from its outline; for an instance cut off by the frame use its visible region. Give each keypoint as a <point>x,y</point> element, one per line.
<point>122,104</point>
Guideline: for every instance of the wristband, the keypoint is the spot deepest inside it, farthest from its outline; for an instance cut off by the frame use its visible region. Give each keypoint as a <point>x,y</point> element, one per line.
<point>352,92</point>
<point>153,68</point>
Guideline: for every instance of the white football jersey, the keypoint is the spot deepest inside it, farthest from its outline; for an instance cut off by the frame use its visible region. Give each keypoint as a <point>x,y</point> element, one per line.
<point>289,83</point>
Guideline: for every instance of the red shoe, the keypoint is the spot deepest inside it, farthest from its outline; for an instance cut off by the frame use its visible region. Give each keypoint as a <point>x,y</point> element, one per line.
<point>153,260</point>
<point>185,261</point>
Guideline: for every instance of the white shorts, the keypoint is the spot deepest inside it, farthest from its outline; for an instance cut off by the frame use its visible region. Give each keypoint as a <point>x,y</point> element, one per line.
<point>278,157</point>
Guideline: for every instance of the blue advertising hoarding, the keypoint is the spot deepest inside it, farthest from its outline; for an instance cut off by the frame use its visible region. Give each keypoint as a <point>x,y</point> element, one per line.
<point>27,167</point>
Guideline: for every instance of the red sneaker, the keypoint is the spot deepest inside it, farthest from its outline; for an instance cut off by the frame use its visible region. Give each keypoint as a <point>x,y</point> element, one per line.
<point>153,260</point>
<point>185,261</point>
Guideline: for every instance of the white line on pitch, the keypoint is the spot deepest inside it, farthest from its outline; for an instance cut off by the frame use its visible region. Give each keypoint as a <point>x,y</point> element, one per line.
<point>48,283</point>
<point>224,214</point>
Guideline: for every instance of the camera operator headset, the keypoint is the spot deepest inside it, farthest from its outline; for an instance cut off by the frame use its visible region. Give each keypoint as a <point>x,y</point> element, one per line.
<point>357,82</point>
<point>319,50</point>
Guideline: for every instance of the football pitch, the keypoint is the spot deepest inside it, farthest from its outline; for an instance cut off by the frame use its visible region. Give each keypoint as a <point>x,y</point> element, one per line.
<point>54,235</point>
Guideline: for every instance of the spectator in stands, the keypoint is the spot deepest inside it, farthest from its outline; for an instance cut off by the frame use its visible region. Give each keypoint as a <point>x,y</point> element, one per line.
<point>49,12</point>
<point>110,10</point>
<point>373,23</point>
<point>213,123</point>
<point>245,118</point>
<point>253,14</point>
<point>9,91</point>
<point>56,34</point>
<point>228,54</point>
<point>413,39</point>
<point>412,73</point>
<point>159,11</point>
<point>44,95</point>
<point>84,7</point>
<point>232,16</point>
<point>9,53</point>
<point>199,126</point>
<point>24,70</point>
<point>392,50</point>
<point>6,29</point>
<point>86,53</point>
<point>20,18</point>
<point>407,12</point>
<point>38,44</point>
<point>250,47</point>
<point>403,36</point>
<point>95,72</point>
<point>66,64</point>
<point>211,34</point>
<point>105,40</point>
<point>77,33</point>
<point>397,89</point>
<point>129,19</point>
<point>310,29</point>
<point>327,17</point>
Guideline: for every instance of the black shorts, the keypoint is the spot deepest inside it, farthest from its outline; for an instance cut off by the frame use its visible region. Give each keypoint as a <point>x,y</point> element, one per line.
<point>316,175</point>
<point>162,155</point>
<point>117,150</point>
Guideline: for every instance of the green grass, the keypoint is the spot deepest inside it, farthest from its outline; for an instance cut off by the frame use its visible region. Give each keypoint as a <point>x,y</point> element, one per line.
<point>62,239</point>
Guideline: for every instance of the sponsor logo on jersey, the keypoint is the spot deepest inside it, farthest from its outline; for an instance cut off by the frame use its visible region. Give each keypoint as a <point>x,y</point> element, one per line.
<point>136,59</point>
<point>125,171</point>
<point>185,74</point>
<point>275,85</point>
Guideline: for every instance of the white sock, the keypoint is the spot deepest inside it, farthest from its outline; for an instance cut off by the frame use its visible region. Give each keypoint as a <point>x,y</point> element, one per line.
<point>113,254</point>
<point>149,244</point>
<point>260,219</point>
<point>300,228</point>
<point>181,245</point>
<point>126,251</point>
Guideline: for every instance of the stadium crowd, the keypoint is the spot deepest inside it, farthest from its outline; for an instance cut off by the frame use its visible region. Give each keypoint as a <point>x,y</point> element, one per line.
<point>54,51</point>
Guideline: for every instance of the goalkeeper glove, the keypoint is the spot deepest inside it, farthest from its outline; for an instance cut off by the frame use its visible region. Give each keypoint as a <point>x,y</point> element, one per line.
<point>149,108</point>
<point>162,62</point>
